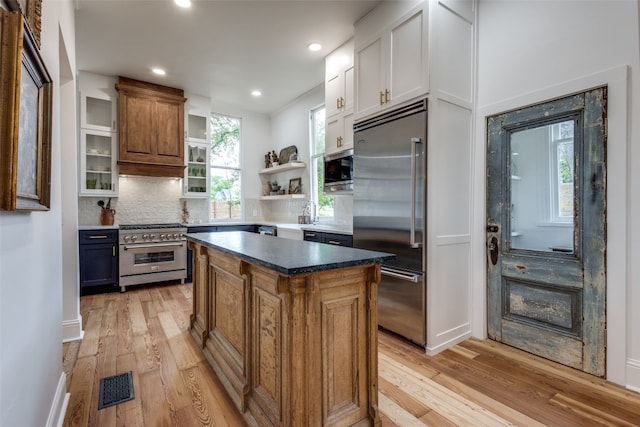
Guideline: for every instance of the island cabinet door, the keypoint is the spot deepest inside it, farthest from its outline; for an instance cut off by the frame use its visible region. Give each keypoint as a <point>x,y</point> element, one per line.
<point>271,391</point>
<point>227,344</point>
<point>339,348</point>
<point>200,317</point>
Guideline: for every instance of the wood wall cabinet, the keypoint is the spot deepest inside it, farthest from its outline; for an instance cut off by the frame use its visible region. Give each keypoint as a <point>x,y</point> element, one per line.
<point>391,57</point>
<point>151,129</point>
<point>339,91</point>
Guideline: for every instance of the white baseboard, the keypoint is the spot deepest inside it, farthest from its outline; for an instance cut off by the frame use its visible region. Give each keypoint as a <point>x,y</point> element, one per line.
<point>72,330</point>
<point>633,375</point>
<point>59,404</point>
<point>451,340</point>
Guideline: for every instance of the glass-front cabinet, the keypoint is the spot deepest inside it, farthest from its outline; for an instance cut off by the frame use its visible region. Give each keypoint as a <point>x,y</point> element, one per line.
<point>98,152</point>
<point>98,111</point>
<point>98,136</point>
<point>196,174</point>
<point>196,183</point>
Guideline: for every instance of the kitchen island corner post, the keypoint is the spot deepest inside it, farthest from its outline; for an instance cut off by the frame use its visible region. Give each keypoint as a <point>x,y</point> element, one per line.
<point>375,276</point>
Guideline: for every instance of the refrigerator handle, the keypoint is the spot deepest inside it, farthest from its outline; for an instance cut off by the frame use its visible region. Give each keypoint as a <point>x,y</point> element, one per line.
<point>412,239</point>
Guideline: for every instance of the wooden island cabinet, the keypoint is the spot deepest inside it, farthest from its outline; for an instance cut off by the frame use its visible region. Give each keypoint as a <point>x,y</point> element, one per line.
<point>289,327</point>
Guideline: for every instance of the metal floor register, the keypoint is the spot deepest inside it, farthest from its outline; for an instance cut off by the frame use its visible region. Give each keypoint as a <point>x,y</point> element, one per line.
<point>115,389</point>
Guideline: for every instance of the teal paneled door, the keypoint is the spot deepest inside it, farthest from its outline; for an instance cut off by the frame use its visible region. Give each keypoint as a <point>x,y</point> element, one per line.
<point>546,229</point>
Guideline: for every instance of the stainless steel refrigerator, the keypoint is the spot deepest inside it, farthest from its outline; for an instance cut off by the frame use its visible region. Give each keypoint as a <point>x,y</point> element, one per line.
<point>389,193</point>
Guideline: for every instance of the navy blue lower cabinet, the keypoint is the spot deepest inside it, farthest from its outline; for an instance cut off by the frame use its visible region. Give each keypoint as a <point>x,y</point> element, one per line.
<point>252,228</point>
<point>98,256</point>
<point>329,238</point>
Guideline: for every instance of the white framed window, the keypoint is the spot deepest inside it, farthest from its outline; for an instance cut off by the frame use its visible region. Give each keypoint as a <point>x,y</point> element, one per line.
<point>225,167</point>
<point>316,163</point>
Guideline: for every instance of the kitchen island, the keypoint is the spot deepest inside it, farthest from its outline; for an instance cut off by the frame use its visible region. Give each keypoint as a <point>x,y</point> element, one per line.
<point>289,327</point>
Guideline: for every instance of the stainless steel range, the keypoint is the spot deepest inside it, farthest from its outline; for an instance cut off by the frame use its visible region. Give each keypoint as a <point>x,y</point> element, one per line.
<point>152,253</point>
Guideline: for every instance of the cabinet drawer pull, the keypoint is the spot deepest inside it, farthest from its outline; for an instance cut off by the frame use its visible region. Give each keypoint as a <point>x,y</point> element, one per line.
<point>113,251</point>
<point>387,95</point>
<point>334,242</point>
<point>310,234</point>
<point>98,237</point>
<point>381,97</point>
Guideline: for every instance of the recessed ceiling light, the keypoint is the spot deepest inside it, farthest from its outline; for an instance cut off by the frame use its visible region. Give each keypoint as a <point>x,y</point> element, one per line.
<point>159,71</point>
<point>314,47</point>
<point>183,3</point>
<point>256,93</point>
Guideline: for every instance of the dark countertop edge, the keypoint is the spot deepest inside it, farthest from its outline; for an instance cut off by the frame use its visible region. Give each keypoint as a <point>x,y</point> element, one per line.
<point>321,228</point>
<point>298,270</point>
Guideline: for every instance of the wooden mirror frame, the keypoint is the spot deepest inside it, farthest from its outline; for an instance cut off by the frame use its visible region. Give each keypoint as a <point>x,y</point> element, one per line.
<point>25,119</point>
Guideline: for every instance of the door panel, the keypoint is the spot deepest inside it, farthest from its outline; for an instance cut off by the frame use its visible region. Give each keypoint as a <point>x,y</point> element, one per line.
<point>546,229</point>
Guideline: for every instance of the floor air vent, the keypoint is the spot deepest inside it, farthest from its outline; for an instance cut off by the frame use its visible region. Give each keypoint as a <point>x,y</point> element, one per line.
<point>115,389</point>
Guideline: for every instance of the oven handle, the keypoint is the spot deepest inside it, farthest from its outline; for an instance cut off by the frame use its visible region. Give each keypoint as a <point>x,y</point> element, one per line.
<point>152,245</point>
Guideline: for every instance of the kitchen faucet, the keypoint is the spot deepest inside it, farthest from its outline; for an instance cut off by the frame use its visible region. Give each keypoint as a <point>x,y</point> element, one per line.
<point>307,211</point>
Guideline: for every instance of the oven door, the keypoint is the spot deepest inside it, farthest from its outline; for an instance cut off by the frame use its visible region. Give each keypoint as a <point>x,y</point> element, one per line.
<point>146,258</point>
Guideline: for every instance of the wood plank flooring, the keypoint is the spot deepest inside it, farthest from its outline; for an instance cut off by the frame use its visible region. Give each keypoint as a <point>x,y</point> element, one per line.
<point>476,383</point>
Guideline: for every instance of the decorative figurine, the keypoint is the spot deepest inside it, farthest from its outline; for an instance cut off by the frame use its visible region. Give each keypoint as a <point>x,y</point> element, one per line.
<point>267,161</point>
<point>274,158</point>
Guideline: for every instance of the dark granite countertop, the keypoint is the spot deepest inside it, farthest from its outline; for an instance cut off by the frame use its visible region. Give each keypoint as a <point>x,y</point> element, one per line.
<point>287,256</point>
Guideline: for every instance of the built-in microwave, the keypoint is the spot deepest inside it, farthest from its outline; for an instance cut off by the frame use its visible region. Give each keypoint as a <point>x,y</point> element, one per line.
<point>338,173</point>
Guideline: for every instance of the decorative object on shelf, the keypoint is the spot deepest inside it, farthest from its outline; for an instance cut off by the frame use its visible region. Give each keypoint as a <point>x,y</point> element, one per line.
<point>106,213</point>
<point>25,179</point>
<point>267,160</point>
<point>185,213</point>
<point>275,188</point>
<point>274,158</point>
<point>287,153</point>
<point>295,186</point>
<point>190,154</point>
<point>200,159</point>
<point>266,189</point>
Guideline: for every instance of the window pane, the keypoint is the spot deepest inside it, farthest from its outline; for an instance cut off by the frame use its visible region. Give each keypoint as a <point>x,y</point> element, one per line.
<point>225,141</point>
<point>541,169</point>
<point>325,203</point>
<point>226,197</point>
<point>225,194</point>
<point>318,131</point>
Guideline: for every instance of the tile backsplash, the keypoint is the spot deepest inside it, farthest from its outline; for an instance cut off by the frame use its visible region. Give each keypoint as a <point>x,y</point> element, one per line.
<point>152,200</point>
<point>144,200</point>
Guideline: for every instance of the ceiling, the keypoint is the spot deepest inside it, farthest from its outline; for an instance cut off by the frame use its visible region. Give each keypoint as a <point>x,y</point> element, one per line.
<point>218,49</point>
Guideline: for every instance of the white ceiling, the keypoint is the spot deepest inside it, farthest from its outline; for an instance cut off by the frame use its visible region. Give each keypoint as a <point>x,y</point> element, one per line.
<point>222,49</point>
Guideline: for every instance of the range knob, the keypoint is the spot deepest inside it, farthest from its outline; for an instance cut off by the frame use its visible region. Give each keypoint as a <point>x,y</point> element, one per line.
<point>126,239</point>
<point>134,238</point>
<point>145,236</point>
<point>176,235</point>
<point>152,236</point>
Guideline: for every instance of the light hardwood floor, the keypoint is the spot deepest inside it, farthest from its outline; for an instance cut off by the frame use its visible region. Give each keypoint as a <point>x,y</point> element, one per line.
<point>476,383</point>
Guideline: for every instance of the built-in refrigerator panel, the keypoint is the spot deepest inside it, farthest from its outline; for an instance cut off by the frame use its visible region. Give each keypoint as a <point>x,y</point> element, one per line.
<point>388,212</point>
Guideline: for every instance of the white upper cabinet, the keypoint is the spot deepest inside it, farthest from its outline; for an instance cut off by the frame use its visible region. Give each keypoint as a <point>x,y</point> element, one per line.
<point>197,147</point>
<point>339,92</point>
<point>98,107</point>
<point>98,135</point>
<point>391,57</point>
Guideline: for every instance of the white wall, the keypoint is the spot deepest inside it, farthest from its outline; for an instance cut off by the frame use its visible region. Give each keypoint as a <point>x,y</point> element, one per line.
<point>530,51</point>
<point>290,126</point>
<point>32,383</point>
